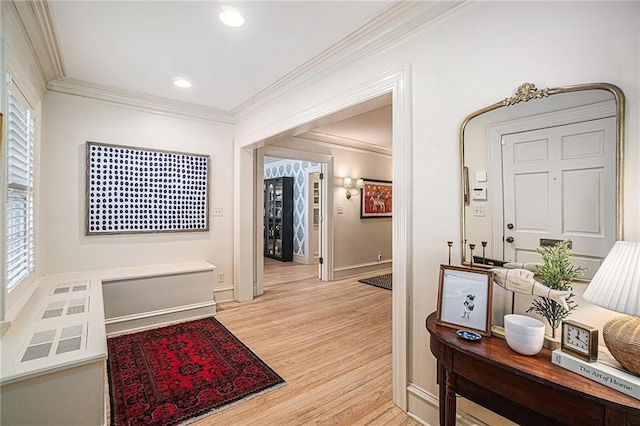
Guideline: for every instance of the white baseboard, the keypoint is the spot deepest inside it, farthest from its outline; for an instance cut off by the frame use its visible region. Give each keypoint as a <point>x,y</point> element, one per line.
<point>145,320</point>
<point>429,404</point>
<point>362,268</point>
<point>223,294</point>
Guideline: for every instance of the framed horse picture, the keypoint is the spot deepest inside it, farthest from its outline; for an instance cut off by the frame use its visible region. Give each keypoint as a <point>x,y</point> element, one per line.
<point>377,199</point>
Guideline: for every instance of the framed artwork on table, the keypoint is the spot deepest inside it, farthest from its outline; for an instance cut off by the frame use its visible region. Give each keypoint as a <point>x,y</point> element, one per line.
<point>377,199</point>
<point>464,298</point>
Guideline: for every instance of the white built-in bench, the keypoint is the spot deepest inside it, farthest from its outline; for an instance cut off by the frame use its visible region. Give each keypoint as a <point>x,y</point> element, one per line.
<point>52,363</point>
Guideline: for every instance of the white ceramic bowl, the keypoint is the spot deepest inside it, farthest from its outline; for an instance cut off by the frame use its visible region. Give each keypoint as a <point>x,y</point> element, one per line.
<point>524,334</point>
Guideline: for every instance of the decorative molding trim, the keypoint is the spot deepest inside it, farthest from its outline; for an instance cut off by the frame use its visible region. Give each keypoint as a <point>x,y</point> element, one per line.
<point>363,268</point>
<point>394,23</point>
<point>115,333</point>
<point>48,47</point>
<point>136,100</point>
<point>226,294</point>
<point>347,144</point>
<point>526,92</point>
<point>381,85</point>
<point>32,79</point>
<point>149,314</point>
<point>296,154</point>
<point>385,262</point>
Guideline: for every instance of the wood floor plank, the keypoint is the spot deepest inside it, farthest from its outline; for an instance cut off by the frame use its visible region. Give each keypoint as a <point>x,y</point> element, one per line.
<point>331,343</point>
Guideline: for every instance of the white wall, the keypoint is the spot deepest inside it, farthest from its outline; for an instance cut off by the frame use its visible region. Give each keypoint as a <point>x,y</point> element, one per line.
<point>72,121</point>
<point>472,57</point>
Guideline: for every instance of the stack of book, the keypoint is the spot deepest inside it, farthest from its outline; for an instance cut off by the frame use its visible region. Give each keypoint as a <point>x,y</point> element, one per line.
<point>606,371</point>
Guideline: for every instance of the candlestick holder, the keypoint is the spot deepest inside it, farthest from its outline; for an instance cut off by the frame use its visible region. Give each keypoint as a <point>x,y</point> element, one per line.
<point>484,246</point>
<point>471,247</point>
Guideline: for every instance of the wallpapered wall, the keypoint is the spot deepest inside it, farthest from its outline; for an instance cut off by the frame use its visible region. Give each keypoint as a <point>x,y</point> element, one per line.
<point>295,169</point>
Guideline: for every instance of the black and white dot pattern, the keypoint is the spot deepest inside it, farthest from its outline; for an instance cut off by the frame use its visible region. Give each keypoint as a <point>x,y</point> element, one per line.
<point>135,190</point>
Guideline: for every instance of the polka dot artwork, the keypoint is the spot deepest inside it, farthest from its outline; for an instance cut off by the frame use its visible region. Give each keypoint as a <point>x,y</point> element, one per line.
<point>136,190</point>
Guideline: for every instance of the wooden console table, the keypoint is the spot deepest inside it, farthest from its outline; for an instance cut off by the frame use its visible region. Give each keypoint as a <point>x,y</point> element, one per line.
<point>529,390</point>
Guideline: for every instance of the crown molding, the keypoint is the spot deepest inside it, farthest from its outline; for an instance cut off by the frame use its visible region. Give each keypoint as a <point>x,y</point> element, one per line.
<point>155,104</point>
<point>346,143</point>
<point>36,20</point>
<point>393,24</point>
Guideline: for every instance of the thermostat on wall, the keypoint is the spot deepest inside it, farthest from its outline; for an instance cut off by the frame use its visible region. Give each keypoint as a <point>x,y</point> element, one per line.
<point>479,194</point>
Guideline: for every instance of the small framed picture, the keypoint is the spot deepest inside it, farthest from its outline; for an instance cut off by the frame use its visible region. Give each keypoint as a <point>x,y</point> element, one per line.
<point>377,199</point>
<point>464,298</point>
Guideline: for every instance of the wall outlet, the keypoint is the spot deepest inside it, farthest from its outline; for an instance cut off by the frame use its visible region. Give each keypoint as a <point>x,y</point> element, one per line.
<point>220,277</point>
<point>217,211</point>
<point>379,256</point>
<point>478,210</point>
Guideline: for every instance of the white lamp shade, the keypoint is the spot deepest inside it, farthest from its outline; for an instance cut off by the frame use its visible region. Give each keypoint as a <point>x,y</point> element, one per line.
<point>348,183</point>
<point>360,183</point>
<point>616,285</point>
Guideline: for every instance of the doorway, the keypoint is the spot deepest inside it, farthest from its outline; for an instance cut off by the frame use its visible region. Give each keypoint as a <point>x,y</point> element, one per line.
<point>394,82</point>
<point>304,199</point>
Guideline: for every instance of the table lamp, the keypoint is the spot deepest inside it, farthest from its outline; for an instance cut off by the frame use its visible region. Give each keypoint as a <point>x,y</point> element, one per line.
<point>616,286</point>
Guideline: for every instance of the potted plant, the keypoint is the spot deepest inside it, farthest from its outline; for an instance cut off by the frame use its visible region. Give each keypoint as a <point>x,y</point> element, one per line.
<point>557,273</point>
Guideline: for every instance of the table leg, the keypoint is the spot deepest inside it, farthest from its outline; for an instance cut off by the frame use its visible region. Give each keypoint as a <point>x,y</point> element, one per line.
<point>442,392</point>
<point>450,400</point>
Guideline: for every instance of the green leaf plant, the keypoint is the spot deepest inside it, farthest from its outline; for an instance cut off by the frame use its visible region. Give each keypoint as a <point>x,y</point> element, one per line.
<point>557,273</point>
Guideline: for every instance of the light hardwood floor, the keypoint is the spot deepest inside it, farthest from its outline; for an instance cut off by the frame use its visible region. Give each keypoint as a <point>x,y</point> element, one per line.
<point>331,343</point>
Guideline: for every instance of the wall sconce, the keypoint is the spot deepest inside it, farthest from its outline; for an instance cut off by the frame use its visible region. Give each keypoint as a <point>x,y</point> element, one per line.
<point>348,183</point>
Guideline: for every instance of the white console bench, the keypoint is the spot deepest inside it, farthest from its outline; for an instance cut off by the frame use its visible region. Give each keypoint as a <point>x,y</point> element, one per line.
<point>52,363</point>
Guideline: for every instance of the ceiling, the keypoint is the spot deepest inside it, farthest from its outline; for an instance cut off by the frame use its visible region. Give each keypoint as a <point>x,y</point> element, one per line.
<point>142,46</point>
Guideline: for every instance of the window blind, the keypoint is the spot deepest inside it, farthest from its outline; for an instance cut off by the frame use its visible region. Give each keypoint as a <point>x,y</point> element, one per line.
<point>20,244</point>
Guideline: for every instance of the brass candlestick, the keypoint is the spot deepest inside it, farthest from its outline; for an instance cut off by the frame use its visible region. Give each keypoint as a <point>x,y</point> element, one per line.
<point>472,246</point>
<point>484,246</point>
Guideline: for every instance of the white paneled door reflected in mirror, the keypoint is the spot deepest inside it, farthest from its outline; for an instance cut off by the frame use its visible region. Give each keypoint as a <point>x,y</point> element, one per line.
<point>542,166</point>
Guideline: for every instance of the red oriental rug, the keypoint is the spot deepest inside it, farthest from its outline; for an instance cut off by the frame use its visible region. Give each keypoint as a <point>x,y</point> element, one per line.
<point>178,373</point>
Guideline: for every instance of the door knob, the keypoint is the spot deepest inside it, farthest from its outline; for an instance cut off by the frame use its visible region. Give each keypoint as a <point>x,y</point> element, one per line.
<point>509,225</point>
<point>510,239</point>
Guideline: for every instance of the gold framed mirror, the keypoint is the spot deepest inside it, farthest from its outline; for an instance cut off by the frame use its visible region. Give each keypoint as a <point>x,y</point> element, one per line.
<point>542,166</point>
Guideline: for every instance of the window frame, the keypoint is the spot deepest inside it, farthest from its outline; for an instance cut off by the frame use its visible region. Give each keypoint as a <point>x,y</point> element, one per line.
<point>13,299</point>
<point>21,192</point>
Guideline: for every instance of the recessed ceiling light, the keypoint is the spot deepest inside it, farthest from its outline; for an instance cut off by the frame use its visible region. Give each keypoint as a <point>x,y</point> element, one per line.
<point>181,82</point>
<point>231,16</point>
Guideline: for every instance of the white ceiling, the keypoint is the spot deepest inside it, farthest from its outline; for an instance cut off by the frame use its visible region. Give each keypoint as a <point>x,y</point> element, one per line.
<point>373,127</point>
<point>141,46</point>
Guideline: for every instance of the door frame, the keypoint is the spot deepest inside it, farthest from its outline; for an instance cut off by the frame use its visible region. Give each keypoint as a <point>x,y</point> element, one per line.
<point>397,82</point>
<point>308,249</point>
<point>326,236</point>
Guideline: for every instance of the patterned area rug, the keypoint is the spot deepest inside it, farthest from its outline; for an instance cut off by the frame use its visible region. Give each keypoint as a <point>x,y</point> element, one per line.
<point>382,281</point>
<point>172,374</point>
